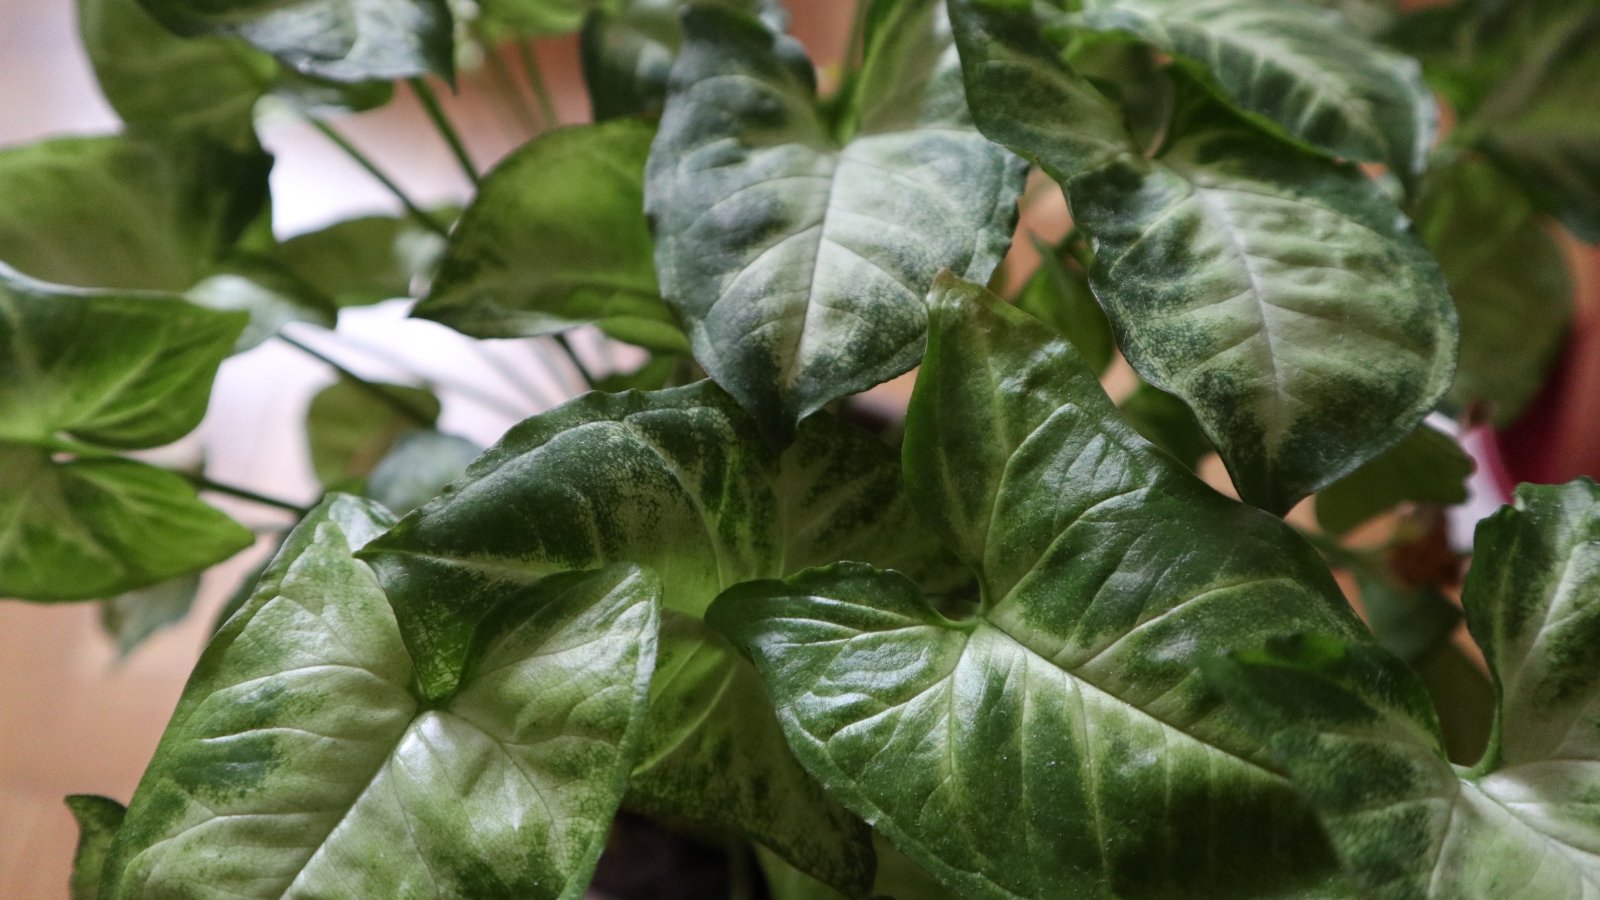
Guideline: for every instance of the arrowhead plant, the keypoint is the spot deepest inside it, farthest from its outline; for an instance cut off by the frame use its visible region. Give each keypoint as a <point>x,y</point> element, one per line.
<point>1015,639</point>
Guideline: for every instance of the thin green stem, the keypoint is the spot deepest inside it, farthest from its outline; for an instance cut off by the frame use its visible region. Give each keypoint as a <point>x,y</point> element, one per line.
<point>572,355</point>
<point>206,484</point>
<point>858,36</point>
<point>465,390</point>
<point>441,123</point>
<point>377,392</point>
<point>506,84</point>
<point>360,159</point>
<point>530,68</point>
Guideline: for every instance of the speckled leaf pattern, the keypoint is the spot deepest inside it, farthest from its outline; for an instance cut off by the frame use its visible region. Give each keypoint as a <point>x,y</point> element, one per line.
<point>1060,742</point>
<point>679,481</point>
<point>98,820</point>
<point>341,40</point>
<point>797,258</point>
<point>557,238</point>
<point>1356,731</point>
<point>1295,69</point>
<point>301,762</point>
<point>1279,294</point>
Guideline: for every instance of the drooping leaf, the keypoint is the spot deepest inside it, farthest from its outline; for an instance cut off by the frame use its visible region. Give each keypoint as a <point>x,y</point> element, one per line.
<point>1508,278</point>
<point>1426,466</point>
<point>340,40</point>
<point>557,238</point>
<point>351,426</point>
<point>1165,421</point>
<point>677,480</point>
<point>417,468</point>
<point>98,820</point>
<point>119,370</point>
<point>1060,297</point>
<point>1280,295</point>
<point>126,212</point>
<point>364,260</point>
<point>300,760</point>
<point>132,617</point>
<point>628,52</point>
<point>1059,742</point>
<point>797,258</point>
<point>1357,732</point>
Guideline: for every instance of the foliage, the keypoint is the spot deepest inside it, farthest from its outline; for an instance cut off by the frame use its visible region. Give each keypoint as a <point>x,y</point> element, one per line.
<point>1012,646</point>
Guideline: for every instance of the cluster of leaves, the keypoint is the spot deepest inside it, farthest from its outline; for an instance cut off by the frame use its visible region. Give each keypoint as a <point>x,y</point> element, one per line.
<point>1026,653</point>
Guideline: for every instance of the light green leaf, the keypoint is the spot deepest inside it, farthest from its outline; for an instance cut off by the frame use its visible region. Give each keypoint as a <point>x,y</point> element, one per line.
<point>120,370</point>
<point>131,617</point>
<point>678,481</point>
<point>797,258</point>
<point>361,261</point>
<point>538,18</point>
<point>87,529</point>
<point>1060,297</point>
<point>340,40</point>
<point>301,761</point>
<point>628,51</point>
<point>1059,742</point>
<point>1427,466</point>
<point>351,426</point>
<point>126,212</point>
<point>557,238</point>
<point>1509,280</point>
<point>271,295</point>
<point>98,820</point>
<point>1299,71</point>
<point>418,467</point>
<point>1165,421</point>
<point>1356,731</point>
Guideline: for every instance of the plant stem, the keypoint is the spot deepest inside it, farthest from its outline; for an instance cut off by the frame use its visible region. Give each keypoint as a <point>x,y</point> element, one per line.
<point>530,68</point>
<point>387,398</point>
<point>858,36</point>
<point>205,484</point>
<point>467,391</point>
<point>500,73</point>
<point>583,370</point>
<point>417,212</point>
<point>430,103</point>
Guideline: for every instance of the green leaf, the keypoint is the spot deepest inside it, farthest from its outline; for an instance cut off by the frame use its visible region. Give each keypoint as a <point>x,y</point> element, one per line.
<point>351,426</point>
<point>628,52</point>
<point>1165,421</point>
<point>271,295</point>
<point>417,468</point>
<point>557,238</point>
<point>339,40</point>
<point>1427,466</point>
<point>538,18</point>
<point>300,760</point>
<point>1056,743</point>
<point>1297,70</point>
<point>1060,297</point>
<point>98,820</point>
<point>362,261</point>
<point>1356,731</point>
<point>1278,294</point>
<point>126,212</point>
<point>797,258</point>
<point>130,618</point>
<point>898,878</point>
<point>118,370</point>
<point>1509,279</point>
<point>679,481</point>
<point>87,529</point>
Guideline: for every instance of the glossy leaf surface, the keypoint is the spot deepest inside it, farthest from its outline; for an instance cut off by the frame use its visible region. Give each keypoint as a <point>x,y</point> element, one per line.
<point>797,257</point>
<point>125,212</point>
<point>301,762</point>
<point>678,481</point>
<point>557,238</point>
<point>1059,743</point>
<point>1426,466</point>
<point>1358,734</point>
<point>98,820</point>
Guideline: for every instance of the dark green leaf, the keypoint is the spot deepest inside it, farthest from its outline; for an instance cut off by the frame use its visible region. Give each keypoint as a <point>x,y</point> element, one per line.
<point>1509,280</point>
<point>98,820</point>
<point>898,878</point>
<point>1060,297</point>
<point>300,761</point>
<point>340,40</point>
<point>628,52</point>
<point>1165,421</point>
<point>1357,732</point>
<point>361,261</point>
<point>130,618</point>
<point>679,481</point>
<point>126,212</point>
<point>653,375</point>
<point>1057,743</point>
<point>418,467</point>
<point>351,426</point>
<point>797,259</point>
<point>557,238</point>
<point>1427,466</point>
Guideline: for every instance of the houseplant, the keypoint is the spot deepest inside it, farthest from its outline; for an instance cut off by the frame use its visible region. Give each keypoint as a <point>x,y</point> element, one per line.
<point>1017,651</point>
